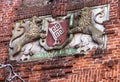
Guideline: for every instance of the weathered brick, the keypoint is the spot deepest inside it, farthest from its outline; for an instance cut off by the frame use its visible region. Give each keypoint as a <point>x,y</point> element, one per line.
<point>85,69</point>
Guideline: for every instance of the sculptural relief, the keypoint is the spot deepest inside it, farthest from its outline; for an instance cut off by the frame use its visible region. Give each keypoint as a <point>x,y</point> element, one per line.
<point>45,36</point>
<point>86,26</point>
<point>24,32</point>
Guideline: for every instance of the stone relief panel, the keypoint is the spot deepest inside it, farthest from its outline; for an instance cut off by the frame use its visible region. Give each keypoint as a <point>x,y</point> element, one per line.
<point>44,37</point>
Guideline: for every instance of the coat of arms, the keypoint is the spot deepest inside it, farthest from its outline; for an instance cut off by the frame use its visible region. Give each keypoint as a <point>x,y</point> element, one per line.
<point>75,33</point>
<point>57,33</point>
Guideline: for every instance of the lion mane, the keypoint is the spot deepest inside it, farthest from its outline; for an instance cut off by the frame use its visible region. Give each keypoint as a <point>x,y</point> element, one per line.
<point>85,19</point>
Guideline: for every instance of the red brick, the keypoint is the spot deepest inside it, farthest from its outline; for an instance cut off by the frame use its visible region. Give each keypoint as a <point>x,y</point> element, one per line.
<point>84,69</point>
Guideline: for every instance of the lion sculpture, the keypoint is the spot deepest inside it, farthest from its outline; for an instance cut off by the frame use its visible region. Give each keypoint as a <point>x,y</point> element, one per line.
<point>23,33</point>
<point>86,26</point>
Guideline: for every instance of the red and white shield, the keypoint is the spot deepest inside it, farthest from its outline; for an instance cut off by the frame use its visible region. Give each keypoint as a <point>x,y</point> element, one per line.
<point>57,33</point>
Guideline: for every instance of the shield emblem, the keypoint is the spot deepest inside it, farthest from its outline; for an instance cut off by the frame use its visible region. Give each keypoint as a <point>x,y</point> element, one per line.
<point>57,33</point>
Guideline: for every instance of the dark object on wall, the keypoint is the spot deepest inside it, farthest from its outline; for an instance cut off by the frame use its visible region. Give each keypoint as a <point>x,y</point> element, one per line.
<point>110,63</point>
<point>12,75</point>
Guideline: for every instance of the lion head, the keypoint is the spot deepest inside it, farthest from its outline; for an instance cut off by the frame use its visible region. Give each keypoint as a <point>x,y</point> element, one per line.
<point>85,18</point>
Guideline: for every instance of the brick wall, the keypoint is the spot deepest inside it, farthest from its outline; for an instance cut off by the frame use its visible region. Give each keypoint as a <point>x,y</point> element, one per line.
<point>103,68</point>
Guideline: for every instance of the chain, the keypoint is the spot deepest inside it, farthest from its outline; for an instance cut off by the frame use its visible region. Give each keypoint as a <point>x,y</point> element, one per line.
<point>12,75</point>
